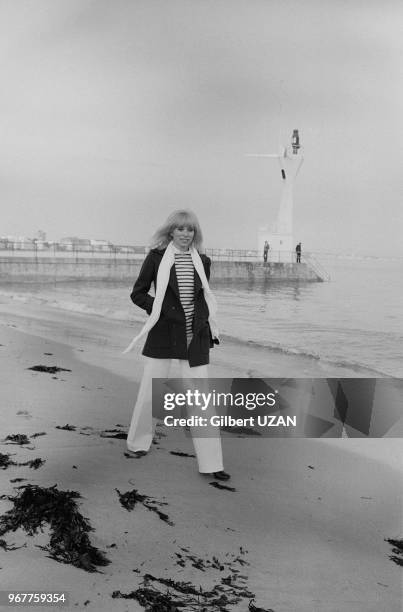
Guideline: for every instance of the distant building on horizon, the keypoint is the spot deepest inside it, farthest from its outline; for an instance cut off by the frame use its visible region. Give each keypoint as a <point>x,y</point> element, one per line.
<point>16,242</point>
<point>101,245</point>
<point>71,243</point>
<point>41,236</point>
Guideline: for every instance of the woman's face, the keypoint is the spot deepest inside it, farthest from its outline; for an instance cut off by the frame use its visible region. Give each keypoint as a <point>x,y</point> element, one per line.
<point>182,236</point>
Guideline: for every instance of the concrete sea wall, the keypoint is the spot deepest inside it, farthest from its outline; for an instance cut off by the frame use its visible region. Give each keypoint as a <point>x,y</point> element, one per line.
<point>58,269</point>
<point>259,271</point>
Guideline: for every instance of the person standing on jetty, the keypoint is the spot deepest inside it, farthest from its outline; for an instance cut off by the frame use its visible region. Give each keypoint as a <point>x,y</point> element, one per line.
<point>298,250</point>
<point>181,325</point>
<point>265,250</point>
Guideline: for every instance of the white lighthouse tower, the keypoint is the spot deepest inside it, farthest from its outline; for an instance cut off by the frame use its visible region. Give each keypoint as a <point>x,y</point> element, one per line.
<point>280,234</point>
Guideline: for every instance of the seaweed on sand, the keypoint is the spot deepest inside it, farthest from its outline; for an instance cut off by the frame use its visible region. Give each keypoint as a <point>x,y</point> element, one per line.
<point>181,587</point>
<point>48,369</point>
<point>152,600</point>
<point>397,549</point>
<point>18,439</point>
<point>218,485</point>
<point>183,596</point>
<point>131,498</point>
<point>215,564</point>
<point>5,461</point>
<point>35,506</point>
<point>34,463</point>
<point>168,595</point>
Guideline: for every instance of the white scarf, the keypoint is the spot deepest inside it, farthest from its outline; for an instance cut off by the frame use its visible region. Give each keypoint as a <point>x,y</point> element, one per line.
<point>164,270</point>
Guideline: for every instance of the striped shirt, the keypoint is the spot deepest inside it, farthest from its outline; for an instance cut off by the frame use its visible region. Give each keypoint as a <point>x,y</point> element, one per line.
<point>185,275</point>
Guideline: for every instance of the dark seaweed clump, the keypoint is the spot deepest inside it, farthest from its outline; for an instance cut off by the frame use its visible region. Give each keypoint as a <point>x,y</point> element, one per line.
<point>48,369</point>
<point>397,549</point>
<point>214,563</point>
<point>131,498</point>
<point>5,462</point>
<point>36,506</point>
<point>34,463</point>
<point>167,595</point>
<point>152,600</point>
<point>18,439</point>
<point>218,485</point>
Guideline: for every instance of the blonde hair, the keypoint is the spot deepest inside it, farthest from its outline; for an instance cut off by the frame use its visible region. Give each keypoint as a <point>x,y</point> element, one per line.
<point>177,218</point>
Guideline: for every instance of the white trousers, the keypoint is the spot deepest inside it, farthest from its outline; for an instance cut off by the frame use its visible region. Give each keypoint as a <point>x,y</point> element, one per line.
<point>142,427</point>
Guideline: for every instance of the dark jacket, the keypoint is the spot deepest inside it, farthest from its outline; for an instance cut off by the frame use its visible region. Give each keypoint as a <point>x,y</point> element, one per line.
<point>167,339</point>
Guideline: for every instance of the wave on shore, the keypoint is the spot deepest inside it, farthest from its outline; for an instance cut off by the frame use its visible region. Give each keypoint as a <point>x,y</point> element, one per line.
<point>274,347</point>
<point>129,315</point>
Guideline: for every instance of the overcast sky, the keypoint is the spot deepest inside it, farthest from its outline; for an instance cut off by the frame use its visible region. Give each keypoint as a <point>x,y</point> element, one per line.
<point>113,113</point>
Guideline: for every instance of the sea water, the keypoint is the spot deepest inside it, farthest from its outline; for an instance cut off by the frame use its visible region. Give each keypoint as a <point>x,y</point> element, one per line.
<point>355,320</point>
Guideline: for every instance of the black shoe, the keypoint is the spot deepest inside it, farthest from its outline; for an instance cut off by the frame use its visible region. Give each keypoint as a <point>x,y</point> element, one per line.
<point>221,475</point>
<point>135,454</point>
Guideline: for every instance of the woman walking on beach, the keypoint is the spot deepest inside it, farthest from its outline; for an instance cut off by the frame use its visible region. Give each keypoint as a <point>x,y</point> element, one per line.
<point>181,325</point>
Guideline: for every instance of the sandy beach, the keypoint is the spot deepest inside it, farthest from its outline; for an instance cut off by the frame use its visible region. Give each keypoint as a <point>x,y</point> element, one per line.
<point>303,531</point>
